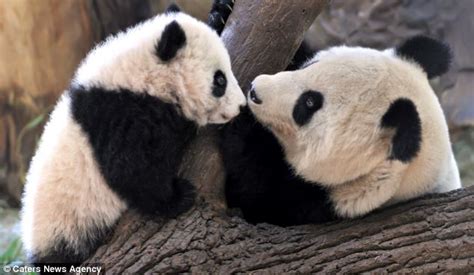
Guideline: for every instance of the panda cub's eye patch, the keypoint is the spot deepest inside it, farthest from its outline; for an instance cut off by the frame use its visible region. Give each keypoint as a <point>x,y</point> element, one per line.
<point>219,84</point>
<point>307,104</point>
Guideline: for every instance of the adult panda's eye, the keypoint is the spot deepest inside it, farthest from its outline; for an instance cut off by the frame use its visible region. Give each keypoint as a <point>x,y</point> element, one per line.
<point>219,84</point>
<point>309,102</point>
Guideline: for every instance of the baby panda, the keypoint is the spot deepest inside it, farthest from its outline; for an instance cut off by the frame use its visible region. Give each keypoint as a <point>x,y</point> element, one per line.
<point>362,126</point>
<point>117,136</point>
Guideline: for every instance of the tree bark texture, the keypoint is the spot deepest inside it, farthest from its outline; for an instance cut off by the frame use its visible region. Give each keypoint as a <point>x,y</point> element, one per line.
<point>432,234</point>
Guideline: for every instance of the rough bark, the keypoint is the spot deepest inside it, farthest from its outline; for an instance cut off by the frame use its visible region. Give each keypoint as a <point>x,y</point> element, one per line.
<point>432,234</point>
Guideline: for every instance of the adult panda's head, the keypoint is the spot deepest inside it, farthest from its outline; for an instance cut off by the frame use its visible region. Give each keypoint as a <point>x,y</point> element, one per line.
<point>174,57</point>
<point>351,108</point>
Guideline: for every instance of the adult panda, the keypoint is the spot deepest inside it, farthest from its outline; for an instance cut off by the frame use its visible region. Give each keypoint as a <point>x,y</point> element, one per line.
<point>117,136</point>
<point>359,128</point>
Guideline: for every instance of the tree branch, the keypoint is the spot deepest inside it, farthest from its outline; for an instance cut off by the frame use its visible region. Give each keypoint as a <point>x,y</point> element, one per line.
<point>432,234</point>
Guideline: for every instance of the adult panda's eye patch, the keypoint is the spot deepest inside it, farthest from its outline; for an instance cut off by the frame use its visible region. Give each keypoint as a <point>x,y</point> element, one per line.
<point>307,104</point>
<point>219,84</point>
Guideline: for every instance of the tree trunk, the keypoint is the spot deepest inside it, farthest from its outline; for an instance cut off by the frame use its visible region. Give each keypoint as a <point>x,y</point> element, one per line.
<point>431,234</point>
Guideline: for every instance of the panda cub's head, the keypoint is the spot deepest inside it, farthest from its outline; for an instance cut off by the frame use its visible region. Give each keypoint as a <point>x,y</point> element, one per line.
<point>174,57</point>
<point>350,108</point>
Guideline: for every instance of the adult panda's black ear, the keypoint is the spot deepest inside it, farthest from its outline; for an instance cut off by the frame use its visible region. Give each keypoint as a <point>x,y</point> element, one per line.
<point>172,8</point>
<point>403,117</point>
<point>172,39</point>
<point>432,55</point>
<point>220,12</point>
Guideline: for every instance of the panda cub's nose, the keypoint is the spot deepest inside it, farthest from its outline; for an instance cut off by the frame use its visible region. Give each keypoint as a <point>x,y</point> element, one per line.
<point>253,97</point>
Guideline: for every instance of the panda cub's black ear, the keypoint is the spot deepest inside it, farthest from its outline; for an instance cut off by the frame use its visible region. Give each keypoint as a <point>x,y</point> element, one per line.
<point>172,39</point>
<point>432,55</point>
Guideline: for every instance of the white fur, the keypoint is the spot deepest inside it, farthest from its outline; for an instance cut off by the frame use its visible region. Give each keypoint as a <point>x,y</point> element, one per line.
<point>129,60</point>
<point>343,147</point>
<point>65,193</point>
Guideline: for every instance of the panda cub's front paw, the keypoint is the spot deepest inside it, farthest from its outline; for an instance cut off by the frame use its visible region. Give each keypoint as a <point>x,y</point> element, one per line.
<point>220,11</point>
<point>184,195</point>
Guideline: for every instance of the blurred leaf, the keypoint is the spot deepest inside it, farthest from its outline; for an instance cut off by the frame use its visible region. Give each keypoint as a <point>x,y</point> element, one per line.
<point>12,253</point>
<point>35,122</point>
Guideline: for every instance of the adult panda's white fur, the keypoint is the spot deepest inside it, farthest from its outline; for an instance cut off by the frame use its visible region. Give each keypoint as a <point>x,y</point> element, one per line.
<point>363,123</point>
<point>172,62</point>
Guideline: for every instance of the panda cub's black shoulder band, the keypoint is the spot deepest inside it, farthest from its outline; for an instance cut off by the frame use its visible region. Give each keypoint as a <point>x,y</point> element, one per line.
<point>138,141</point>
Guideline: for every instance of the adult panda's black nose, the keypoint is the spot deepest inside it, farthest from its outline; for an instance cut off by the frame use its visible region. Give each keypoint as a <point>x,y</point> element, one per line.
<point>253,97</point>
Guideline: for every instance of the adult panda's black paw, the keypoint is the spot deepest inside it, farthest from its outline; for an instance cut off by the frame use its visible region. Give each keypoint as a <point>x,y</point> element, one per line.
<point>184,195</point>
<point>220,11</point>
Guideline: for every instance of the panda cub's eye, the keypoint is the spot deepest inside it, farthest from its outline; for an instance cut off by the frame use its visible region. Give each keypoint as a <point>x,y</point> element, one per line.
<point>219,84</point>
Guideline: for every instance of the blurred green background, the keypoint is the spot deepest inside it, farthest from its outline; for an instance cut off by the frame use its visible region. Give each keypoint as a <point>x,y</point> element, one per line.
<point>42,42</point>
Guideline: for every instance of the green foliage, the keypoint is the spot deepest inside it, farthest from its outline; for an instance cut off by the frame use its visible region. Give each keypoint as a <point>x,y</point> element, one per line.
<point>31,125</point>
<point>12,253</point>
<point>13,256</point>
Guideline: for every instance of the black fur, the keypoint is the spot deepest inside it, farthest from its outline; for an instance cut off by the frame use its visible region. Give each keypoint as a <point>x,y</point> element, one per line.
<point>260,182</point>
<point>432,55</point>
<point>303,111</point>
<point>302,55</point>
<point>172,8</point>
<point>138,142</point>
<point>219,84</point>
<point>220,11</point>
<point>172,39</point>
<point>403,116</point>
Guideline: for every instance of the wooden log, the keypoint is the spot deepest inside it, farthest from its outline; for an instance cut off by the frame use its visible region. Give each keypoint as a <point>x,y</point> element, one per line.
<point>429,235</point>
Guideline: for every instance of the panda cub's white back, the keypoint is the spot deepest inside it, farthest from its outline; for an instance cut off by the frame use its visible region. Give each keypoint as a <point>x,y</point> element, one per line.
<point>117,136</point>
<point>363,123</point>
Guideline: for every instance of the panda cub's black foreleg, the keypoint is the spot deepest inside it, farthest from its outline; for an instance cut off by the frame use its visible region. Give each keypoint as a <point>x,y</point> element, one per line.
<point>138,142</point>
<point>220,12</point>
